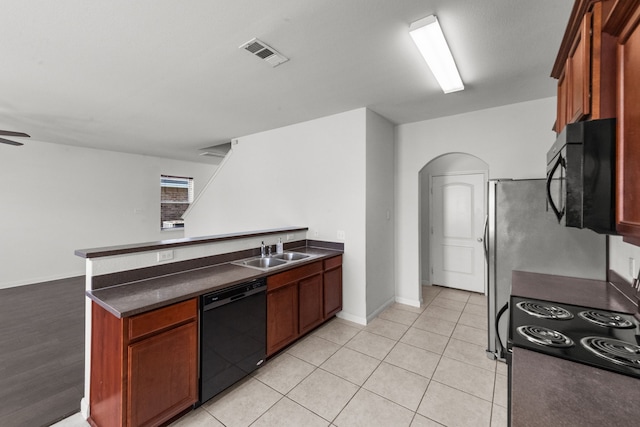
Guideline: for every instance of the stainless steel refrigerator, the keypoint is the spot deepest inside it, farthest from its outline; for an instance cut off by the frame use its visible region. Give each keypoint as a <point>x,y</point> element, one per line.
<point>522,235</point>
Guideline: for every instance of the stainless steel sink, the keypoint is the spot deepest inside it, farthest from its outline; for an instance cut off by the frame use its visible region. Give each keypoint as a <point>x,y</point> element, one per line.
<point>266,262</point>
<point>276,260</point>
<point>291,256</point>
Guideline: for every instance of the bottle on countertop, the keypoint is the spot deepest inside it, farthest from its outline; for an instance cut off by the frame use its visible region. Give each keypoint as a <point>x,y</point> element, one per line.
<point>279,247</point>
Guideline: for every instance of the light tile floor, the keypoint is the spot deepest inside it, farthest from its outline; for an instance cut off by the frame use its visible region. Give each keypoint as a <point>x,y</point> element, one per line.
<point>411,366</point>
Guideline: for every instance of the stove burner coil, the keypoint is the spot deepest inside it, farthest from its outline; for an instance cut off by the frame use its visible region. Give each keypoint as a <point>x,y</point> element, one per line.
<point>606,319</point>
<point>544,336</point>
<point>616,351</point>
<point>544,311</point>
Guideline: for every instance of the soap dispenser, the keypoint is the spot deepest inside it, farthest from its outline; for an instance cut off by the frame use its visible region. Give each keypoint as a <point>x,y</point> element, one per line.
<point>279,248</point>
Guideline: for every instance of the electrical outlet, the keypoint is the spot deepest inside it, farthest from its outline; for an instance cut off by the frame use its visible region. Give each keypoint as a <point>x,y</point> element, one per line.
<point>165,255</point>
<point>316,233</point>
<point>632,267</point>
<point>341,235</point>
<point>289,236</point>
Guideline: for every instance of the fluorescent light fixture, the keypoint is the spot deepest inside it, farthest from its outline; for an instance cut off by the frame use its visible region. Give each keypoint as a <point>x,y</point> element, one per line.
<point>427,35</point>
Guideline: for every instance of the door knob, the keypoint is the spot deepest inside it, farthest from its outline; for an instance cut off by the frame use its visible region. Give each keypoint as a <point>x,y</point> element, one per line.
<point>479,239</point>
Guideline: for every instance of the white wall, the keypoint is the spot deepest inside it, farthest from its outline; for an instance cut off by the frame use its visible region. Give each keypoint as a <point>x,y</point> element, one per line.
<point>309,174</point>
<point>58,198</point>
<point>512,140</point>
<point>619,254</point>
<point>380,213</point>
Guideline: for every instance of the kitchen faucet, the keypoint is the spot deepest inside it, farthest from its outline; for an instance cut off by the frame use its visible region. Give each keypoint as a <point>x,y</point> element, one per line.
<point>265,250</point>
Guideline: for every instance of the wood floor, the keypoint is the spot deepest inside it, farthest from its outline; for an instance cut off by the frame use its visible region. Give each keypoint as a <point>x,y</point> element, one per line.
<point>41,352</point>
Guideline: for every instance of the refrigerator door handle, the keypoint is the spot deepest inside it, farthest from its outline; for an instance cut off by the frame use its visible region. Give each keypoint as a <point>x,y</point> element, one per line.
<point>559,213</point>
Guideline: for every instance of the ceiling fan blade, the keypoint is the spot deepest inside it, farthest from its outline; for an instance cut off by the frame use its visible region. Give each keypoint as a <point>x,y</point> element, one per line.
<point>6,141</point>
<point>9,133</point>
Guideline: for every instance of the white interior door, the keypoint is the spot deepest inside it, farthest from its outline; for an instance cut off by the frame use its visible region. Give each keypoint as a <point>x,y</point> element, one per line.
<point>457,231</point>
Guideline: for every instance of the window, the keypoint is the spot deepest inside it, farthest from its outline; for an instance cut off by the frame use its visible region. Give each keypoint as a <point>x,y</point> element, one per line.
<point>176,194</point>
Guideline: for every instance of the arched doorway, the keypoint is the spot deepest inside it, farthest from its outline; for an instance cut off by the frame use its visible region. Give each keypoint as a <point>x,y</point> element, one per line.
<point>446,168</point>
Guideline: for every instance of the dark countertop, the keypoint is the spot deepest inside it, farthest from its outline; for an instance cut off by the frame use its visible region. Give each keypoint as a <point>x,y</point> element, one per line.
<point>570,290</point>
<point>133,298</point>
<point>547,390</point>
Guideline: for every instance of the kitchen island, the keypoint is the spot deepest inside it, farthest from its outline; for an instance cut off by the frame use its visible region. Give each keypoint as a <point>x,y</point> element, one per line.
<point>143,314</point>
<point>548,390</point>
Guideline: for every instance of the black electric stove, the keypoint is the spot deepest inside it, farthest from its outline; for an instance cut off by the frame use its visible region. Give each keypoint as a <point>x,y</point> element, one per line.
<point>600,338</point>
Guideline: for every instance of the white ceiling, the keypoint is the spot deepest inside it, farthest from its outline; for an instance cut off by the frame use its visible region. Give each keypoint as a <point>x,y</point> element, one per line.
<point>166,77</point>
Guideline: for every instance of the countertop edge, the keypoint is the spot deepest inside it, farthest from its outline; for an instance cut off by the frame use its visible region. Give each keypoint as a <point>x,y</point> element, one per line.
<point>174,243</point>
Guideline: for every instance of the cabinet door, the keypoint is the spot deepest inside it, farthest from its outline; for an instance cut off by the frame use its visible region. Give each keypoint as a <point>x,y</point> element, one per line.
<point>579,69</point>
<point>282,317</point>
<point>162,376</point>
<point>310,302</point>
<point>603,64</point>
<point>561,119</point>
<point>628,153</point>
<point>332,286</point>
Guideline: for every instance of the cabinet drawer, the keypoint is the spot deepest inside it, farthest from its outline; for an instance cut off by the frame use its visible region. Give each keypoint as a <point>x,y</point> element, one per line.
<point>162,318</point>
<point>281,279</point>
<point>333,262</point>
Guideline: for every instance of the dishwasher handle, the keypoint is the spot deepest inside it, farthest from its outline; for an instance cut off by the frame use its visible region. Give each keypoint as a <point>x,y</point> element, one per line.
<point>236,293</point>
<point>237,297</point>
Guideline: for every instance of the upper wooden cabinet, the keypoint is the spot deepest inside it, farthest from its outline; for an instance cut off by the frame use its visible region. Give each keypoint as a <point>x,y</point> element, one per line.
<point>578,69</point>
<point>585,66</point>
<point>624,24</point>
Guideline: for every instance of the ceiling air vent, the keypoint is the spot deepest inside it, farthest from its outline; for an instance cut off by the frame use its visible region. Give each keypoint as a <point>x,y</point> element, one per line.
<point>264,51</point>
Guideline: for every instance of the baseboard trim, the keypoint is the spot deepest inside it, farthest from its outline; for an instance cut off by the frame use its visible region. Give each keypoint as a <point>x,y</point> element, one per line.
<point>352,318</point>
<point>407,301</point>
<point>84,408</point>
<point>40,280</point>
<point>380,309</point>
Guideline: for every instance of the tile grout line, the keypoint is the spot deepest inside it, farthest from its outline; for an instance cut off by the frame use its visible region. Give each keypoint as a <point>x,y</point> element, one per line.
<point>379,363</point>
<point>397,341</point>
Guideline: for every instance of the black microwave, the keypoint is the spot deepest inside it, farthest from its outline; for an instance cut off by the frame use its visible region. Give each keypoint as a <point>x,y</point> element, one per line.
<point>581,176</point>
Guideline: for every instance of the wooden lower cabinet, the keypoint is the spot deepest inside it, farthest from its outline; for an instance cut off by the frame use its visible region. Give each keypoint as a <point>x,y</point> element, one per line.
<point>311,313</point>
<point>144,368</point>
<point>300,299</point>
<point>161,376</point>
<point>332,286</point>
<point>282,316</point>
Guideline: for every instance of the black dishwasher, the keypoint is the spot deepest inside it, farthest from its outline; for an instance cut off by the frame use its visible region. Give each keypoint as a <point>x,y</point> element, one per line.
<point>233,338</point>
